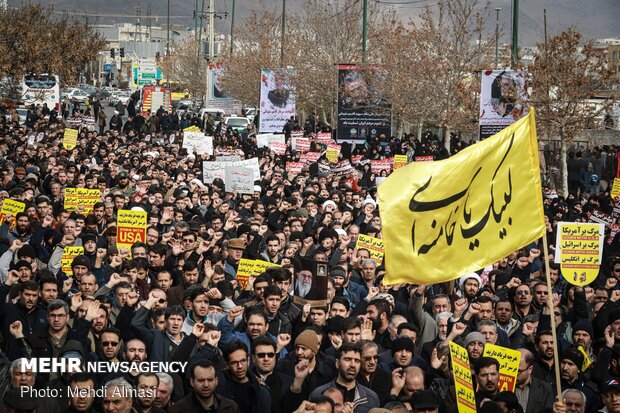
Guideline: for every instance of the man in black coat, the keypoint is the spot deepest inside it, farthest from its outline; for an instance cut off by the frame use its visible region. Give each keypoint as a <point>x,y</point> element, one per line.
<point>31,316</point>
<point>204,381</point>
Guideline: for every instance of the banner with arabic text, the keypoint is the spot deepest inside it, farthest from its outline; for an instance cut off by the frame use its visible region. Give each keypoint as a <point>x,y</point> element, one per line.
<point>277,98</point>
<point>437,228</point>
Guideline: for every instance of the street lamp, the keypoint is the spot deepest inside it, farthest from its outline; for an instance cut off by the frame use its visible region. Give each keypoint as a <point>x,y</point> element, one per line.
<point>497,9</point>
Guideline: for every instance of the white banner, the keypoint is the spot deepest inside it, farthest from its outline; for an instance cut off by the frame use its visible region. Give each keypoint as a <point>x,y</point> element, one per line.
<point>502,97</point>
<point>239,180</point>
<point>198,142</point>
<point>277,98</point>
<point>217,169</point>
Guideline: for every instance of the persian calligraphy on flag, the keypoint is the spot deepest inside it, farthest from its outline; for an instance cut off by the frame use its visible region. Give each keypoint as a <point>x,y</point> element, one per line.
<point>448,218</point>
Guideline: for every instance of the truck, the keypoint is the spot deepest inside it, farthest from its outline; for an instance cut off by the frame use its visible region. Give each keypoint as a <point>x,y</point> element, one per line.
<point>154,97</point>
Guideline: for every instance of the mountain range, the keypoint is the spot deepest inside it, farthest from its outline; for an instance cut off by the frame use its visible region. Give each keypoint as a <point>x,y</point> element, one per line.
<point>594,18</point>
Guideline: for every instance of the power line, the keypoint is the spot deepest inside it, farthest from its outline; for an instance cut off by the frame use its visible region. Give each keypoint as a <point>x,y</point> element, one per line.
<point>406,5</point>
<point>90,14</point>
<point>346,9</point>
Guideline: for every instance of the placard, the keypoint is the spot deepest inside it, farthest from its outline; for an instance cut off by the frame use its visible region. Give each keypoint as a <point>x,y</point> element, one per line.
<point>68,255</point>
<point>198,142</point>
<point>239,180</point>
<point>294,167</point>
<point>374,245</point>
<point>10,206</point>
<point>509,360</point>
<point>423,158</point>
<point>76,197</point>
<point>279,148</point>
<point>378,165</point>
<point>70,138</point>
<point>400,161</point>
<point>461,371</point>
<point>324,138</point>
<point>300,144</point>
<point>579,251</point>
<point>131,228</point>
<point>310,283</point>
<point>615,189</point>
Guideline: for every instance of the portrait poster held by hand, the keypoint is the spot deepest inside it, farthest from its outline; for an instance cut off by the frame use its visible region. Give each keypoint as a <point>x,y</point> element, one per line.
<point>311,284</point>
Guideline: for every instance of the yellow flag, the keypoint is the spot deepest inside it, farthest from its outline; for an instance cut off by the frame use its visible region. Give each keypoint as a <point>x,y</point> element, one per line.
<point>444,219</point>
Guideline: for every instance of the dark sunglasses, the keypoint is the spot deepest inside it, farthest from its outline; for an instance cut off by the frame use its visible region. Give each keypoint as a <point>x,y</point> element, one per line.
<point>267,355</point>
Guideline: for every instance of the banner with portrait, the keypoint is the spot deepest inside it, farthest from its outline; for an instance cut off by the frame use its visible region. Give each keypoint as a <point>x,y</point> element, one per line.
<point>277,98</point>
<point>217,96</point>
<point>503,100</point>
<point>310,283</point>
<point>362,110</point>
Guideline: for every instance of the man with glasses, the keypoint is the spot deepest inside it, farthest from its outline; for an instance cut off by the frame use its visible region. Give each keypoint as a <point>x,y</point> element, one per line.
<point>532,393</point>
<point>523,302</point>
<point>264,356</point>
<point>541,294</point>
<point>239,384</point>
<point>48,342</point>
<point>370,375</point>
<point>109,345</point>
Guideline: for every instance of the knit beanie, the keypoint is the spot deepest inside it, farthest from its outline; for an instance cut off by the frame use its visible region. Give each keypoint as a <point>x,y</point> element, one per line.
<point>402,343</point>
<point>575,356</point>
<point>474,336</point>
<point>584,325</point>
<point>309,339</point>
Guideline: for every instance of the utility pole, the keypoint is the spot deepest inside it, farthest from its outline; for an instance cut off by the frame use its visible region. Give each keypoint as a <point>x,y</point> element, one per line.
<point>232,28</point>
<point>545,34</point>
<point>282,34</point>
<point>168,30</point>
<point>515,33</point>
<point>364,32</point>
<point>497,9</point>
<point>211,30</point>
<point>196,22</point>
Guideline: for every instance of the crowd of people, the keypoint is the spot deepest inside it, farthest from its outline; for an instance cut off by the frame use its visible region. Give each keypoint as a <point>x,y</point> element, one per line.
<point>254,347</point>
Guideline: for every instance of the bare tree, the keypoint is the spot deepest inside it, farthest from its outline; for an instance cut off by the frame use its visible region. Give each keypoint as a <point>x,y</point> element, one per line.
<point>33,40</point>
<point>435,64</point>
<point>563,76</point>
<point>187,67</point>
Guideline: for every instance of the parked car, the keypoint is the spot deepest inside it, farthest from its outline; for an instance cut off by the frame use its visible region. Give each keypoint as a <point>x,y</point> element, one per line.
<point>78,94</point>
<point>237,123</point>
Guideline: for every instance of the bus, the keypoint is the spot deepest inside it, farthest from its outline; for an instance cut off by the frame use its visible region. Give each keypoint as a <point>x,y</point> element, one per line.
<point>40,89</point>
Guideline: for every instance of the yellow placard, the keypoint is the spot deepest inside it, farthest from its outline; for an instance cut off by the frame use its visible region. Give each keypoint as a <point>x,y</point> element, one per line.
<point>332,155</point>
<point>244,271</point>
<point>615,189</point>
<point>192,129</point>
<point>260,266</point>
<point>131,228</point>
<point>10,206</point>
<point>456,226</point>
<point>68,255</point>
<point>509,360</point>
<point>580,251</point>
<point>399,161</point>
<point>373,245</point>
<point>461,371</point>
<point>75,197</point>
<point>70,138</point>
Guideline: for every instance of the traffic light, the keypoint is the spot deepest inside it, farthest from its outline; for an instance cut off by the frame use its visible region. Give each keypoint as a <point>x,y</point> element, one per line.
<point>122,52</point>
<point>112,53</point>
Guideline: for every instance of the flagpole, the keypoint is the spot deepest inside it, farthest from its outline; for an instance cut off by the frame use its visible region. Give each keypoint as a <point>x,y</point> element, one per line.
<point>556,356</point>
